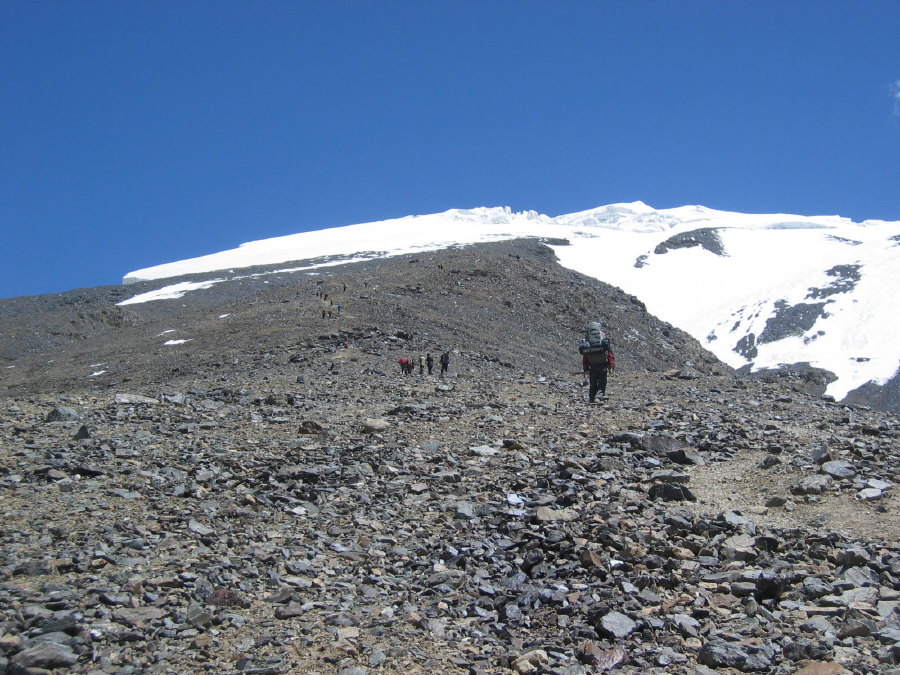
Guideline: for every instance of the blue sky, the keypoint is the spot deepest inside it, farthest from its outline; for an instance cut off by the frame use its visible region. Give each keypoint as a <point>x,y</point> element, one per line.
<point>138,133</point>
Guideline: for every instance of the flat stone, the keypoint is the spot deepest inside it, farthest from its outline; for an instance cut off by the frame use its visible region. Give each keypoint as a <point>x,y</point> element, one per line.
<point>739,547</point>
<point>840,468</point>
<point>686,625</point>
<point>686,456</point>
<point>62,414</point>
<point>813,485</point>
<point>289,611</point>
<point>531,662</point>
<point>617,625</point>
<point>821,668</point>
<point>544,514</point>
<point>45,655</point>
<point>375,425</point>
<point>869,494</point>
<point>735,519</point>
<point>671,492</point>
<point>134,399</point>
<point>819,624</point>
<point>138,617</point>
<point>852,556</point>
<point>467,510</point>
<point>199,528</point>
<point>199,617</point>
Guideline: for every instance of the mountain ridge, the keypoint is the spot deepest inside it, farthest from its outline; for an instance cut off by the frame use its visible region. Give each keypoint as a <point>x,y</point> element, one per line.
<point>411,294</point>
<point>761,291</point>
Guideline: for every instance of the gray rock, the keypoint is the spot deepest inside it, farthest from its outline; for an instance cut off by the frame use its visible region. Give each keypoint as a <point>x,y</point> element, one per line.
<point>813,485</point>
<point>686,625</point>
<point>852,556</point>
<point>839,469</point>
<point>375,425</point>
<point>860,576</point>
<point>134,399</point>
<point>617,625</point>
<point>759,658</point>
<point>769,461</point>
<point>377,658</point>
<point>62,414</point>
<point>289,611</point>
<point>721,654</point>
<point>819,624</point>
<point>736,519</point>
<point>686,456</point>
<point>888,635</point>
<point>544,514</point>
<point>468,510</point>
<point>671,492</point>
<point>879,484</point>
<point>824,454</point>
<point>138,617</point>
<point>869,494</point>
<point>198,617</point>
<point>199,528</point>
<point>45,655</point>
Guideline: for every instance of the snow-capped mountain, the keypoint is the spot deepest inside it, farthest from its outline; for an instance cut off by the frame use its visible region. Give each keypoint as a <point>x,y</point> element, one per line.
<point>760,291</point>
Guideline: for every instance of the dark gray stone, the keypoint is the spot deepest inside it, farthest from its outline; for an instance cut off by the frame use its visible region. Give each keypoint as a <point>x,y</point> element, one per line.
<point>45,655</point>
<point>721,654</point>
<point>671,492</point>
<point>617,625</point>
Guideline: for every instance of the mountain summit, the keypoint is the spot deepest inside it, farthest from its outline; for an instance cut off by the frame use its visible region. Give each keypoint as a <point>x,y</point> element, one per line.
<point>762,292</point>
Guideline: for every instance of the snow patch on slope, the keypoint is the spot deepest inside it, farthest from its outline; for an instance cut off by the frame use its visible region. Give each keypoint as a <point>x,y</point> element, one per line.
<point>763,290</point>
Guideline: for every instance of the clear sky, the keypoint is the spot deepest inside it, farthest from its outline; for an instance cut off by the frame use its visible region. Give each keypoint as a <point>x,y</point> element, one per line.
<point>138,133</point>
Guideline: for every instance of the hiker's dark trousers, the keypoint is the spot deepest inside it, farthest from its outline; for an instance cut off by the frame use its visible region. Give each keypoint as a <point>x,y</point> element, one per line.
<point>598,381</point>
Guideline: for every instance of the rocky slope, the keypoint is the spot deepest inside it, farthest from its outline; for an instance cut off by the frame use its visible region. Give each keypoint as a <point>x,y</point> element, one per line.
<point>273,496</point>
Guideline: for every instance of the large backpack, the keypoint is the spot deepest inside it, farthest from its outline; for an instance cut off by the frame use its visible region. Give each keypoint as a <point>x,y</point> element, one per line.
<point>595,344</point>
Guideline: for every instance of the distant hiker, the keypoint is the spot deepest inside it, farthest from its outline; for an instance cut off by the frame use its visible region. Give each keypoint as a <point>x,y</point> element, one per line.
<point>421,364</point>
<point>323,313</point>
<point>329,313</point>
<point>429,362</point>
<point>406,366</point>
<point>340,307</point>
<point>597,359</point>
<point>445,362</point>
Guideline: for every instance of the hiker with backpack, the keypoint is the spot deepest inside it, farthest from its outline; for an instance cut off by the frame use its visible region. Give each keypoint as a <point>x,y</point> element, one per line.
<point>445,362</point>
<point>597,359</point>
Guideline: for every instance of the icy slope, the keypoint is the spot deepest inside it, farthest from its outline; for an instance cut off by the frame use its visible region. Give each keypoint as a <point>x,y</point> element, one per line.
<point>763,290</point>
